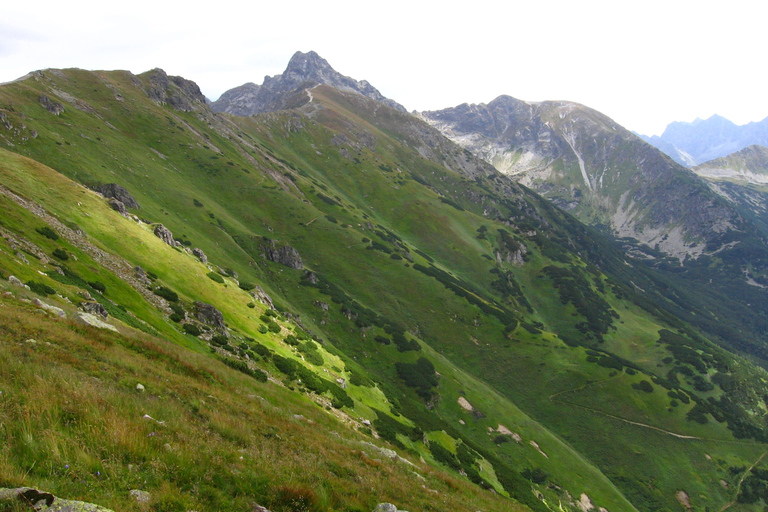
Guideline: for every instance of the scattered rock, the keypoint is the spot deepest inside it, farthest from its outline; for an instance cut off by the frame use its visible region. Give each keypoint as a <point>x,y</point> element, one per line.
<point>118,192</point>
<point>164,234</point>
<point>47,307</point>
<point>259,508</point>
<point>85,294</point>
<point>17,282</point>
<point>464,403</point>
<point>684,500</point>
<point>46,502</point>
<point>94,308</point>
<point>54,107</point>
<point>20,256</point>
<point>584,502</point>
<point>311,277</point>
<point>93,321</point>
<point>199,254</point>
<point>342,383</point>
<point>386,507</point>
<point>259,294</point>
<point>140,387</point>
<point>140,496</point>
<point>536,445</point>
<point>209,315</point>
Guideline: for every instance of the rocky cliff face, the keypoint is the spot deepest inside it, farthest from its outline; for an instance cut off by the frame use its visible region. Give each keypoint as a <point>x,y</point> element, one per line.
<point>304,70</point>
<point>589,165</point>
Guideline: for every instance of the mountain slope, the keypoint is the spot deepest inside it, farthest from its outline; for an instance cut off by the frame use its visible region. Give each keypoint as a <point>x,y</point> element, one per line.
<point>303,70</point>
<point>587,164</point>
<point>471,323</point>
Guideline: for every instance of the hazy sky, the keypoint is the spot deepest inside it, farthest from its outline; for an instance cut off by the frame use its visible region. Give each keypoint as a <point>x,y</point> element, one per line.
<point>644,64</point>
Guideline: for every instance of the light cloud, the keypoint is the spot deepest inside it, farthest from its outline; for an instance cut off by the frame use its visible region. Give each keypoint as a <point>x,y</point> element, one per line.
<point>643,64</point>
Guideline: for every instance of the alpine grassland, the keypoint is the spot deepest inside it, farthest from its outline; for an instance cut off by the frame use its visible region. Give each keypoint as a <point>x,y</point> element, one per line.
<point>378,289</point>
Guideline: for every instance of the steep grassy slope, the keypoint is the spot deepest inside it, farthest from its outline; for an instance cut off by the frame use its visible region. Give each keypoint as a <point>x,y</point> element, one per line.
<point>472,324</point>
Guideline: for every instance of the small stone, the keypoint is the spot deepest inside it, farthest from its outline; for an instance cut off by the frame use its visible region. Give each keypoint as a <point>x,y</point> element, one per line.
<point>140,387</point>
<point>140,496</point>
<point>385,507</point>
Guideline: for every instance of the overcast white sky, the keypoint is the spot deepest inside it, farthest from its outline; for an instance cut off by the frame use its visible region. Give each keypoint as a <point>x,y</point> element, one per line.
<point>644,64</point>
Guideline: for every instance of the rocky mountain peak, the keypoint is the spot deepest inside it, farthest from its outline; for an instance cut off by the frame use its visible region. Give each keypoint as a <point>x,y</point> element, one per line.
<point>303,70</point>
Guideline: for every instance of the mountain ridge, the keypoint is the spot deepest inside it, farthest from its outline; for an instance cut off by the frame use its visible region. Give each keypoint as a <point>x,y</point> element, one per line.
<point>303,70</point>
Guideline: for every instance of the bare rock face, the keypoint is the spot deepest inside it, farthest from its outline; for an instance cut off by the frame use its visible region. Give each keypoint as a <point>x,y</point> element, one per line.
<point>303,71</point>
<point>199,254</point>
<point>119,193</point>
<point>259,294</point>
<point>54,107</point>
<point>164,234</point>
<point>281,253</point>
<point>118,206</point>
<point>181,94</point>
<point>209,315</point>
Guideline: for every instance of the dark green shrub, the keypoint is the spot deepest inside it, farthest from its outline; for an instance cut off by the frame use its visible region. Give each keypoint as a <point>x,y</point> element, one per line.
<point>48,232</point>
<point>60,254</point>
<point>419,375</point>
<point>40,288</point>
<point>263,329</point>
<point>192,329</point>
<point>167,294</point>
<point>643,385</point>
<point>98,286</point>
<point>291,340</point>
<point>251,305</point>
<point>273,327</point>
<point>215,277</point>
<point>175,317</point>
<point>245,285</point>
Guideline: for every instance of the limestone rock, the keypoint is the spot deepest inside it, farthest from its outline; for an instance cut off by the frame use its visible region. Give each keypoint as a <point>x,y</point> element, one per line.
<point>46,502</point>
<point>47,307</point>
<point>118,192</point>
<point>259,294</point>
<point>209,315</point>
<point>93,321</point>
<point>199,254</point>
<point>94,308</point>
<point>119,207</point>
<point>281,253</point>
<point>17,282</point>
<point>140,496</point>
<point>164,234</point>
<point>180,93</point>
<point>54,107</point>
<point>386,507</point>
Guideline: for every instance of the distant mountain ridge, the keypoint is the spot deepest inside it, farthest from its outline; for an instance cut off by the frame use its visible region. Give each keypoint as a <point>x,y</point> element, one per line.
<point>304,69</point>
<point>587,164</point>
<point>706,139</point>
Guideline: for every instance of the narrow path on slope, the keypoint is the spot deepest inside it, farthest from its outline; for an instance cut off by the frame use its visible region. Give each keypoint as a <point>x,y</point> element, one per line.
<point>741,480</point>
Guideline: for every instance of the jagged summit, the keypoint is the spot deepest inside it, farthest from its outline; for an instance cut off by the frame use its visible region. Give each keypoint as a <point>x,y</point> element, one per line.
<point>304,69</point>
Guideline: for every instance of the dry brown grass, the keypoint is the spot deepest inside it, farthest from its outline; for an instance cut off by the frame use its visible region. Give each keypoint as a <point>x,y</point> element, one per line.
<point>75,425</point>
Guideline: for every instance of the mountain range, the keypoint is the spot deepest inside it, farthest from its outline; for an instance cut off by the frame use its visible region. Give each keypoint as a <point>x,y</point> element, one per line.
<point>694,143</point>
<point>332,304</point>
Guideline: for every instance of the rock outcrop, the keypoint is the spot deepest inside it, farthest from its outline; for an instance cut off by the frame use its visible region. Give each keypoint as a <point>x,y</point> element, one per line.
<point>54,107</point>
<point>199,254</point>
<point>94,308</point>
<point>164,234</point>
<point>42,501</point>
<point>119,193</point>
<point>281,253</point>
<point>181,94</point>
<point>209,315</point>
<point>93,321</point>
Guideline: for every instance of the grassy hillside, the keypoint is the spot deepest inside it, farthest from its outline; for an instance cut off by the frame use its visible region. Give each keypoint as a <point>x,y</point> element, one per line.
<point>419,298</point>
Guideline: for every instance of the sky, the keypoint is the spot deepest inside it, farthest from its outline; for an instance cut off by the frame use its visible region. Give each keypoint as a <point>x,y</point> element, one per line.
<point>644,64</point>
